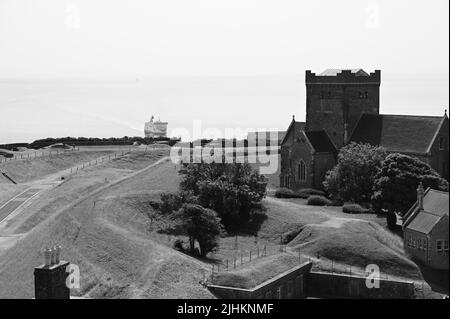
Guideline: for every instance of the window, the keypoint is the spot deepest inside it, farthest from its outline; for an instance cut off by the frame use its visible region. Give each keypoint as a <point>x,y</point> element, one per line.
<point>366,95</point>
<point>441,143</point>
<point>446,246</point>
<point>279,293</point>
<point>302,171</point>
<point>410,242</point>
<point>439,246</point>
<point>420,244</point>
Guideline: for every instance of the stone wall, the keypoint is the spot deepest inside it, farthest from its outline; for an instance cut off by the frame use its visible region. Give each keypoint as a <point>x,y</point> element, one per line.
<point>328,285</point>
<point>288,285</point>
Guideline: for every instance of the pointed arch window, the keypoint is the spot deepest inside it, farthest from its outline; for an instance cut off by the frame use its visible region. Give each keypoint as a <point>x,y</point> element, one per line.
<point>302,171</point>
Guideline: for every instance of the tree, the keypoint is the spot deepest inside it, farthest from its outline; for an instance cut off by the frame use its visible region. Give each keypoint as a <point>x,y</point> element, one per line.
<point>232,190</point>
<point>397,181</point>
<point>199,224</point>
<point>352,178</point>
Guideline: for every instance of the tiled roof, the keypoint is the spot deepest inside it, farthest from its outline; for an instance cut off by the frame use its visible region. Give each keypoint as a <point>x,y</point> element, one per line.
<point>423,222</point>
<point>397,133</point>
<point>320,141</point>
<point>334,72</point>
<point>436,202</point>
<point>435,206</point>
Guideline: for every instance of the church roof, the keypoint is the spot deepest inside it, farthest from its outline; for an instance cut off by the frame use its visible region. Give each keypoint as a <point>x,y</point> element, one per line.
<point>397,133</point>
<point>334,72</point>
<point>320,141</point>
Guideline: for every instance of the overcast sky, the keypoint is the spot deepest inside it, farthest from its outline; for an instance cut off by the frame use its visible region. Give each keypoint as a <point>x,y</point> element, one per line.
<point>145,38</point>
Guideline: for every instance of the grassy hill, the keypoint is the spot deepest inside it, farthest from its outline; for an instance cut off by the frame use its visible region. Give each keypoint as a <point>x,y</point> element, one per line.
<point>111,246</point>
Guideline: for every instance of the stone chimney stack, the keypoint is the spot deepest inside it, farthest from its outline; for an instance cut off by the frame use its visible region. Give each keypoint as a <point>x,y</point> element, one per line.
<point>50,278</point>
<point>420,193</point>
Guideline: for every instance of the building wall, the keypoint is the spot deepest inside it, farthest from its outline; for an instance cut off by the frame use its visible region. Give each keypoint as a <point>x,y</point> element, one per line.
<point>293,151</point>
<point>413,248</point>
<point>323,162</point>
<point>328,285</point>
<point>439,158</point>
<point>439,260</point>
<point>289,285</point>
<point>332,101</point>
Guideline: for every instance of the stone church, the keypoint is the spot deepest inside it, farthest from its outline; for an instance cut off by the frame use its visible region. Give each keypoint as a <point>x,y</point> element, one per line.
<point>343,106</point>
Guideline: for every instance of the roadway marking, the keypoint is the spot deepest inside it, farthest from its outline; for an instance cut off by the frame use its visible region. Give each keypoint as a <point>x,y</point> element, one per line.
<point>16,202</point>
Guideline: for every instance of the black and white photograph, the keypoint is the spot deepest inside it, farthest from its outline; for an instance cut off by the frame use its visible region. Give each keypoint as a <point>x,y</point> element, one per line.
<point>231,152</point>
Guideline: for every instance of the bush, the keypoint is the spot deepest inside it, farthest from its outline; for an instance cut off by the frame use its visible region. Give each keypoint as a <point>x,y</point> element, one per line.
<point>354,209</point>
<point>316,200</point>
<point>306,192</point>
<point>302,193</point>
<point>286,193</point>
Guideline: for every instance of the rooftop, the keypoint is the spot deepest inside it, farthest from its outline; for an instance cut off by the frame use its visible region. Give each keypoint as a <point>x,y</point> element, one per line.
<point>397,133</point>
<point>334,72</point>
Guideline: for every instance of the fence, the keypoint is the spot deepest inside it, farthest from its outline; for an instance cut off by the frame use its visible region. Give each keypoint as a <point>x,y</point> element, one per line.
<point>36,154</point>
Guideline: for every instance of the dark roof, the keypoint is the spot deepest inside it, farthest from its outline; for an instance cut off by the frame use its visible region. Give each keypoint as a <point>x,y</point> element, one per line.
<point>435,206</point>
<point>320,141</point>
<point>334,72</point>
<point>397,133</point>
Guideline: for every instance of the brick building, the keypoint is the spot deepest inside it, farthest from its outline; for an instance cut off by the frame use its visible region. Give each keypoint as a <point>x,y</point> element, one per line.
<point>425,228</point>
<point>343,106</point>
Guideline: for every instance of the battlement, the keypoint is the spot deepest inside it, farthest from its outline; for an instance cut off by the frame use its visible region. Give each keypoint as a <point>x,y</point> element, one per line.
<point>343,77</point>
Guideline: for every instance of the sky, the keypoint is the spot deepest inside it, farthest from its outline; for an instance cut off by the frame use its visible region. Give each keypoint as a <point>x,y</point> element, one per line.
<point>240,56</point>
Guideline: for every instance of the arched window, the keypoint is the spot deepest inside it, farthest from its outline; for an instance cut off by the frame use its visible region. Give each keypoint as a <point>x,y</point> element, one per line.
<point>302,171</point>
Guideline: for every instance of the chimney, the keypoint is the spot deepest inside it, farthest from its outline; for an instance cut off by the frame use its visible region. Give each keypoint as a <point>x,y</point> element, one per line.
<point>420,193</point>
<point>50,278</point>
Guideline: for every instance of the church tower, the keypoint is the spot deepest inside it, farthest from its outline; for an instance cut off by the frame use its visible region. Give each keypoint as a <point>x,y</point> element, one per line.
<point>336,98</point>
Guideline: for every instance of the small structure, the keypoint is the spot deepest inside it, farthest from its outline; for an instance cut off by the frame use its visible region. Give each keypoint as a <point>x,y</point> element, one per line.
<point>155,129</point>
<point>425,228</point>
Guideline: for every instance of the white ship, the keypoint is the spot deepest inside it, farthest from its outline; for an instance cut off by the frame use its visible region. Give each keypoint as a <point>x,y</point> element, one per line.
<point>155,129</point>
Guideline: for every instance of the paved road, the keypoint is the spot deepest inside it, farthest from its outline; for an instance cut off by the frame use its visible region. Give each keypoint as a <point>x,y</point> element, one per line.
<point>14,203</point>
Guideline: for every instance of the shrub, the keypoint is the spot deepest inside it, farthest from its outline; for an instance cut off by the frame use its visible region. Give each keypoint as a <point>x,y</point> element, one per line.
<point>316,200</point>
<point>306,192</point>
<point>354,209</point>
<point>286,193</point>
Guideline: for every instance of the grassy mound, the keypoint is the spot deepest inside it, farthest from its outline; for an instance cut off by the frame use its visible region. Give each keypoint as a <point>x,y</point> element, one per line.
<point>357,243</point>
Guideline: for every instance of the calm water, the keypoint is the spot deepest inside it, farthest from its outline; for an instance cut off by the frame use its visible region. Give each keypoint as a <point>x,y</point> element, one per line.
<point>31,109</point>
